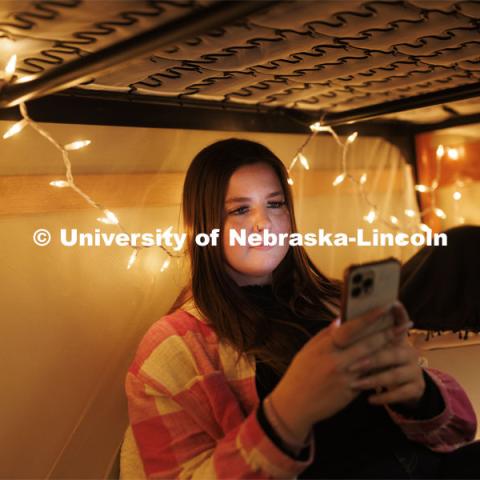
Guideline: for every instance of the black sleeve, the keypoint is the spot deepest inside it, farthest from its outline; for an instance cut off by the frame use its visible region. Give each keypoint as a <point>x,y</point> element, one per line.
<point>430,405</point>
<point>275,438</point>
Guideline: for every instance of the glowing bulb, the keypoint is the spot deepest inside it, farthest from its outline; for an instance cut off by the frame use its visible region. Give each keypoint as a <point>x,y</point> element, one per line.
<point>25,79</point>
<point>59,183</point>
<point>351,138</point>
<point>363,178</point>
<point>165,264</point>
<point>77,145</point>
<point>422,188</point>
<point>339,179</point>
<point>110,218</point>
<point>394,219</point>
<point>132,259</point>
<point>371,216</point>
<point>303,161</point>
<point>290,180</point>
<point>318,127</point>
<point>18,127</point>
<point>457,195</point>
<point>409,212</point>
<point>440,151</point>
<point>10,68</point>
<point>439,213</point>
<point>452,154</point>
<point>425,228</point>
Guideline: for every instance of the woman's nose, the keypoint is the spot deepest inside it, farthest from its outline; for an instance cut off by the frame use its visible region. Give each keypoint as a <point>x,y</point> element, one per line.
<point>262,221</point>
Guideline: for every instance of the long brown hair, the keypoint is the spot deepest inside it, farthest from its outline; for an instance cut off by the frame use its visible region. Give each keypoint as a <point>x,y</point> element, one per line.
<point>298,286</point>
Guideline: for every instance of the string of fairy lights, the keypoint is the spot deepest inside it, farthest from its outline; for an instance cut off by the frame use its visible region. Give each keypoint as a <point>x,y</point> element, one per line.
<point>110,218</point>
<point>373,214</point>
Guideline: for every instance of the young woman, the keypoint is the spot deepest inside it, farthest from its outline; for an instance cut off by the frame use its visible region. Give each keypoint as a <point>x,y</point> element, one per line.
<point>250,375</point>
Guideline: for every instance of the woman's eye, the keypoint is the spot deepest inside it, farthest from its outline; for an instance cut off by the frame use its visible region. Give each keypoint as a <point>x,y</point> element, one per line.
<point>242,210</point>
<point>238,211</point>
<point>277,204</point>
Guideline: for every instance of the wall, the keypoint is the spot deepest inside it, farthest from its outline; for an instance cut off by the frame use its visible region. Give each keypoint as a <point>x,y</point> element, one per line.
<point>461,362</point>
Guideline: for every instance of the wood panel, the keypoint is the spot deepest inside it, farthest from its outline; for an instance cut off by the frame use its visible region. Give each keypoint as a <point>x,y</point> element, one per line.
<point>32,194</point>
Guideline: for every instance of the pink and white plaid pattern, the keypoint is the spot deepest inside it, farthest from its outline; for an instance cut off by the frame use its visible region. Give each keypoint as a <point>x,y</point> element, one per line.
<point>193,412</point>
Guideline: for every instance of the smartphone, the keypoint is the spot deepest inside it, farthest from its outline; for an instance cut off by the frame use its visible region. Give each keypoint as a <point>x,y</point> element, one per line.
<point>368,286</point>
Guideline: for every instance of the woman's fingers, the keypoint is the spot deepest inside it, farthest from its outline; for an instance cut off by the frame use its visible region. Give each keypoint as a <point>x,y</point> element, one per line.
<point>396,355</point>
<point>353,330</point>
<point>395,370</point>
<point>400,314</point>
<point>402,394</point>
<point>393,377</point>
<point>365,348</point>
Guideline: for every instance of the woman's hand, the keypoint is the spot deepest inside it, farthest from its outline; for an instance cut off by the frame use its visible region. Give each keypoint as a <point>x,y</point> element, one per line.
<point>318,382</point>
<point>396,375</point>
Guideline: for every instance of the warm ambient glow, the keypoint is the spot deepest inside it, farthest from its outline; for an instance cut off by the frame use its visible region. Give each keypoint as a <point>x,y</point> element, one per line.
<point>452,153</point>
<point>439,213</point>
<point>110,218</point>
<point>16,128</point>
<point>351,138</point>
<point>422,188</point>
<point>371,216</point>
<point>339,179</point>
<point>303,161</point>
<point>10,68</point>
<point>165,265</point>
<point>132,259</point>
<point>318,127</point>
<point>77,145</point>
<point>457,195</point>
<point>25,79</point>
<point>59,183</point>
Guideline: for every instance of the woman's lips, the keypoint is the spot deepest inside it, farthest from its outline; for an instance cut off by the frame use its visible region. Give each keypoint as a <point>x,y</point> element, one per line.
<point>263,247</point>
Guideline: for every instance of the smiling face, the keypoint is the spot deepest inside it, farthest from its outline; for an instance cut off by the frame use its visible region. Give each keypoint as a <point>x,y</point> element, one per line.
<point>255,202</point>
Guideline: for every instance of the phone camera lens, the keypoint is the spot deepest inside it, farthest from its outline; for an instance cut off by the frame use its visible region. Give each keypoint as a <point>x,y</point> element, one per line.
<point>367,285</point>
<point>356,292</point>
<point>357,278</point>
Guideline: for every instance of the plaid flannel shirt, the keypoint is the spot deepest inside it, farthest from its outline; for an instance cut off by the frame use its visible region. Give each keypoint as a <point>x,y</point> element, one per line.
<point>193,413</point>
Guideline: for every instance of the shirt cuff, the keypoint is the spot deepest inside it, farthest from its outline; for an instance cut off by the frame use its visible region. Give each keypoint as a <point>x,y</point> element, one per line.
<point>430,405</point>
<point>303,455</point>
